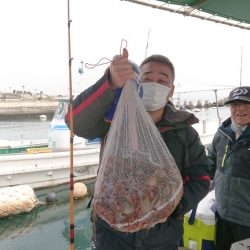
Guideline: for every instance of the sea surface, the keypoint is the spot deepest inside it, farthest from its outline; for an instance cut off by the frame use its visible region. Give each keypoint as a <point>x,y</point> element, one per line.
<point>24,129</point>
<point>47,226</point>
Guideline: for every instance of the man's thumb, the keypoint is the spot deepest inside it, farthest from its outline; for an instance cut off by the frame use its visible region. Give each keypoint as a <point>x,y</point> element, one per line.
<point>125,52</point>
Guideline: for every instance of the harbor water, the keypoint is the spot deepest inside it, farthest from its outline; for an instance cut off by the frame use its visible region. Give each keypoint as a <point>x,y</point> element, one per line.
<point>47,227</point>
<point>24,129</point>
<point>34,128</point>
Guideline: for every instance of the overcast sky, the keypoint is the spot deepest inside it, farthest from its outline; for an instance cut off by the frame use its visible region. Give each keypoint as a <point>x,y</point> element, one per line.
<point>34,45</point>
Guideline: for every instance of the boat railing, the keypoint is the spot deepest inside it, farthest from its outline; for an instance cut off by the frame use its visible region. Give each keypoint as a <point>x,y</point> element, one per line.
<point>207,128</point>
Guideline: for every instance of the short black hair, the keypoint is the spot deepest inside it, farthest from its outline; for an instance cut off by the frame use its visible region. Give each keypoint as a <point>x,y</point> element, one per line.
<point>159,59</point>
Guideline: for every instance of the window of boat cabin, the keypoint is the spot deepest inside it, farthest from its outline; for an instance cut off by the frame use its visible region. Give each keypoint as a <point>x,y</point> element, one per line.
<point>61,110</point>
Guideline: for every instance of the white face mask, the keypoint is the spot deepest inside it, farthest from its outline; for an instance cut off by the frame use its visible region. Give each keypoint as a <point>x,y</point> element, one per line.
<point>154,95</point>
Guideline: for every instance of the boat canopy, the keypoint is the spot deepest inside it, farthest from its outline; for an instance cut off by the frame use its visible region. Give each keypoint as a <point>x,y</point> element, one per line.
<point>229,12</point>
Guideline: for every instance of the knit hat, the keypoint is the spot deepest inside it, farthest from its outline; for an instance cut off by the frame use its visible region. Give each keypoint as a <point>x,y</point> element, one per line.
<point>239,94</point>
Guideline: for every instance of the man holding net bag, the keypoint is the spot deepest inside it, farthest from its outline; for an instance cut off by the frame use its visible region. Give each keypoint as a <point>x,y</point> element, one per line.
<point>153,167</point>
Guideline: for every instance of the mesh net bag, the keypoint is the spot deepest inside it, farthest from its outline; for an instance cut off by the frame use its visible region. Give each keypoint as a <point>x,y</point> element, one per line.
<point>138,184</point>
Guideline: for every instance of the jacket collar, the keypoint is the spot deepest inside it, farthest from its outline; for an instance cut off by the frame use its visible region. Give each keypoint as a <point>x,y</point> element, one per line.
<point>174,118</point>
<point>226,128</point>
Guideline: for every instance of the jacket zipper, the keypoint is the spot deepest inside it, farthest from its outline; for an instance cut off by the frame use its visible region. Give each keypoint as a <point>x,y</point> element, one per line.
<point>224,156</point>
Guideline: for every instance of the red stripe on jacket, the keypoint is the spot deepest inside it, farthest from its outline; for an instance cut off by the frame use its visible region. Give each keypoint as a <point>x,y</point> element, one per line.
<point>89,100</point>
<point>204,178</point>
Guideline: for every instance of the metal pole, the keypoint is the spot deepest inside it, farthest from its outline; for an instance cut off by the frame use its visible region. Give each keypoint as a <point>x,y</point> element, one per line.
<point>217,105</point>
<point>146,51</point>
<point>204,123</point>
<point>241,50</point>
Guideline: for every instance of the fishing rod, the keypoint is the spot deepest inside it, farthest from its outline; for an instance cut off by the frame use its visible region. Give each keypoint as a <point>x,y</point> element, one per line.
<point>72,232</point>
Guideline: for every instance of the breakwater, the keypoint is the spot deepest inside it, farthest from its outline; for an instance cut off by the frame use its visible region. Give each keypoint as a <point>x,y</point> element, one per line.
<point>15,108</point>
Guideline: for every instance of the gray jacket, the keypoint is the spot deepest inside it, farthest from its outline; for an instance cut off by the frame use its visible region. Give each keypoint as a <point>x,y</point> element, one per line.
<point>230,166</point>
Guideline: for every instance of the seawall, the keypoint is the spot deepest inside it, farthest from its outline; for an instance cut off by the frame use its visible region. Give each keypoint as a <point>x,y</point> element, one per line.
<point>11,108</point>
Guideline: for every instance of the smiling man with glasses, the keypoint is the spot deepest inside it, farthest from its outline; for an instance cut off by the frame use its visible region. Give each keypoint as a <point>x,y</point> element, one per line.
<point>229,159</point>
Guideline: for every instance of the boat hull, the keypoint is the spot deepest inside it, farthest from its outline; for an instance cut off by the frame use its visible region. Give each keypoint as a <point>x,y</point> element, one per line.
<point>43,170</point>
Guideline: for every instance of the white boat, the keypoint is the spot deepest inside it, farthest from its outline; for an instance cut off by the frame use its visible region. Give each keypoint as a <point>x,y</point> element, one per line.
<point>196,110</point>
<point>43,117</point>
<point>21,146</point>
<point>47,169</point>
<point>49,165</point>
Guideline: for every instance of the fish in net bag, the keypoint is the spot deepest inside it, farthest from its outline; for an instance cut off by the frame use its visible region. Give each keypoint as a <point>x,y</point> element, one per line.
<point>138,184</point>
